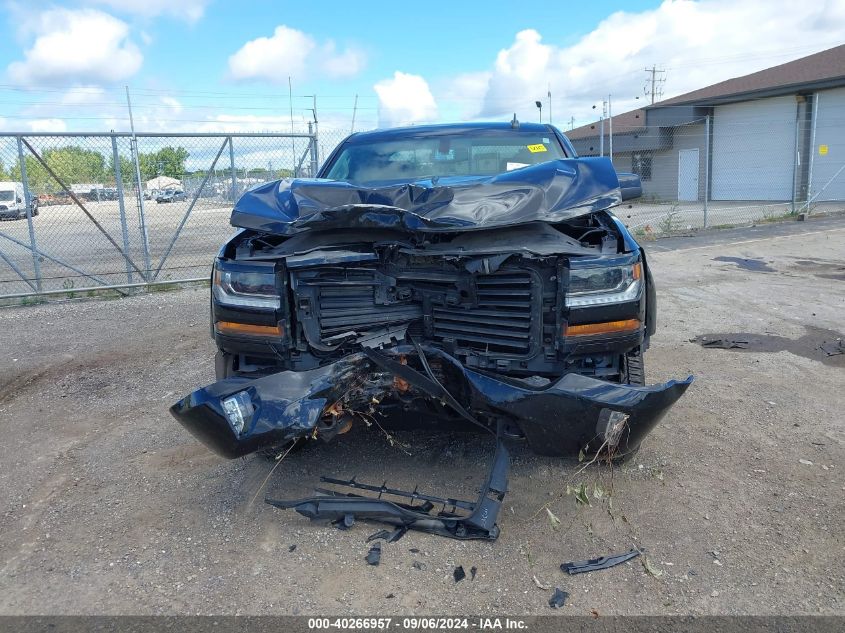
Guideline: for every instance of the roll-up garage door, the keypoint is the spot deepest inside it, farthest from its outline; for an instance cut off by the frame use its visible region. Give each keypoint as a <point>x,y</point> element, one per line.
<point>753,149</point>
<point>828,182</point>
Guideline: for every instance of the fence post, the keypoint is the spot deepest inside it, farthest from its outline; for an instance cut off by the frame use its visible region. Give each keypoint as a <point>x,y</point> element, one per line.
<point>27,200</point>
<point>706,165</point>
<point>234,172</point>
<point>795,156</point>
<point>118,180</point>
<point>142,221</point>
<point>812,156</point>
<point>314,159</point>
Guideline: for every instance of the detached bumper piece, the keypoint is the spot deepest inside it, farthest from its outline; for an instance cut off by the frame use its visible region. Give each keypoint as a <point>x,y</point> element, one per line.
<point>237,416</point>
<point>478,520</point>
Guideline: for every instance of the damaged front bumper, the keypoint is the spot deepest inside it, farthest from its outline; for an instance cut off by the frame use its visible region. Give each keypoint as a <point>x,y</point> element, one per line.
<point>237,416</point>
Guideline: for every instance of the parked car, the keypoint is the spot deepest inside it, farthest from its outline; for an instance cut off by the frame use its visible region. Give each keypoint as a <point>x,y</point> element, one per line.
<point>12,201</point>
<point>171,195</point>
<point>472,274</point>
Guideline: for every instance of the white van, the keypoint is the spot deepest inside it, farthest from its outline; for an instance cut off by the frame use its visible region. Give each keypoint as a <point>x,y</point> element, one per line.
<point>12,201</point>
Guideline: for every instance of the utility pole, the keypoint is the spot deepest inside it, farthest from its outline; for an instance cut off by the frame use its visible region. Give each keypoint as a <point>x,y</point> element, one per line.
<point>572,123</point>
<point>354,111</point>
<point>656,82</point>
<point>601,126</point>
<point>610,127</point>
<point>550,103</point>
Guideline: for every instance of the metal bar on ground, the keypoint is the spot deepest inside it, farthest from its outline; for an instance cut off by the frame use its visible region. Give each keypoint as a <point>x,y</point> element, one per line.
<point>190,208</point>
<point>19,272</point>
<point>79,204</point>
<point>27,200</point>
<point>118,180</point>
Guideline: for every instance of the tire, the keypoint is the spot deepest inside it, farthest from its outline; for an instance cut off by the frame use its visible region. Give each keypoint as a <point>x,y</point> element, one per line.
<point>633,367</point>
<point>633,373</point>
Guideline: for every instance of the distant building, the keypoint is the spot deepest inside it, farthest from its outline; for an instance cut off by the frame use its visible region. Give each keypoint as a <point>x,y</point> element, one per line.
<point>773,135</point>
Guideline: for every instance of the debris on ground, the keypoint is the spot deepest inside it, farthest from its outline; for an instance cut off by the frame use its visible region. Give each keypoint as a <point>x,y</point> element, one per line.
<point>553,520</point>
<point>720,343</point>
<point>382,534</point>
<point>389,536</point>
<point>459,574</point>
<point>833,348</point>
<point>602,562</point>
<point>558,598</point>
<point>291,548</point>
<point>472,572</point>
<point>345,522</point>
<point>806,462</point>
<point>650,568</point>
<point>418,565</point>
<point>539,584</point>
<point>374,555</point>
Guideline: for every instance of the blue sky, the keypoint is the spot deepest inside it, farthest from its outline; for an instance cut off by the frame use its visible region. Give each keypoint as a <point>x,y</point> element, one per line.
<point>223,66</point>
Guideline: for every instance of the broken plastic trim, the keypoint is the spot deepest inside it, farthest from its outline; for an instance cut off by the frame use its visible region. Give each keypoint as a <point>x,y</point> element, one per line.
<point>603,562</point>
<point>480,523</point>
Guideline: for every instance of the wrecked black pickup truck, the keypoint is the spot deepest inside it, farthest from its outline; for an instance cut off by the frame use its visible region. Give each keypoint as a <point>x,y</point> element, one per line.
<point>468,275</point>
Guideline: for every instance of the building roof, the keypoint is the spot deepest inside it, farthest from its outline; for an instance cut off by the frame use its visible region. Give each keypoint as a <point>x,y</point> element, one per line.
<point>805,72</point>
<point>820,70</point>
<point>622,123</point>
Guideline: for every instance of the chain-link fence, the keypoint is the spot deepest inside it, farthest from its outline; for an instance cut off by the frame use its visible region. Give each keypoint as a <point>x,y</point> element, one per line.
<point>95,211</point>
<point>88,212</point>
<point>745,164</point>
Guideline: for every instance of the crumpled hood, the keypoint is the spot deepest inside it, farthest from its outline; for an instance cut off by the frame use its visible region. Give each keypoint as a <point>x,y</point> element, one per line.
<point>553,191</point>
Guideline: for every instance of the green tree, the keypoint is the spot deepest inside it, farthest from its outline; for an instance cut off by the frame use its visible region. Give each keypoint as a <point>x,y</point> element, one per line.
<point>72,164</point>
<point>168,161</point>
<point>4,175</point>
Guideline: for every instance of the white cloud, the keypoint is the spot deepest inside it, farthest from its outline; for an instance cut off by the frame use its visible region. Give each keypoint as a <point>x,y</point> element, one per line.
<point>47,125</point>
<point>405,99</point>
<point>290,52</point>
<point>77,46</point>
<point>188,10</point>
<point>699,43</point>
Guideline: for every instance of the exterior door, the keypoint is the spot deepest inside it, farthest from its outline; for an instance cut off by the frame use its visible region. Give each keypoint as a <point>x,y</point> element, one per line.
<point>688,174</point>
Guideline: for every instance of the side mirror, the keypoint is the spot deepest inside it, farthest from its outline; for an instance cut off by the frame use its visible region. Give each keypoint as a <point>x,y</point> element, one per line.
<point>19,200</point>
<point>630,185</point>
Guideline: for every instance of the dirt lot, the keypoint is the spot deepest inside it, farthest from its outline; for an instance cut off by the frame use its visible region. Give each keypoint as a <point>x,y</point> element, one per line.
<point>109,507</point>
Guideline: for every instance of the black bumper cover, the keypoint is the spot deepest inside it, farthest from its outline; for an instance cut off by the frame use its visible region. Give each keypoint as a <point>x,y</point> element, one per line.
<point>563,418</point>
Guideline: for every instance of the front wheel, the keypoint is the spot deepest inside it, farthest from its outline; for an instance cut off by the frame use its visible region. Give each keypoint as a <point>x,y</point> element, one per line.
<point>633,367</point>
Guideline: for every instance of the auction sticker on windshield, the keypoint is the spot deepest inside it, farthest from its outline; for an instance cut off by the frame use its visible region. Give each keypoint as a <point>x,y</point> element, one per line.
<point>539,147</point>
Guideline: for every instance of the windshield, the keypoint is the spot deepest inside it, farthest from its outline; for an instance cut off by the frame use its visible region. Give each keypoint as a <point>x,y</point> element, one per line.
<point>6,196</point>
<point>485,154</point>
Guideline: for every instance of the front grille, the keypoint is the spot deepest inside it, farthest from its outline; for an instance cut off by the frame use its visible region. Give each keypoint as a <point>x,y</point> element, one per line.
<point>349,304</point>
<point>502,321</point>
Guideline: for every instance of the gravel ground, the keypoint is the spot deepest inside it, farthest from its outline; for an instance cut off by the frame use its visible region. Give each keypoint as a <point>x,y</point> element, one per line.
<point>109,507</point>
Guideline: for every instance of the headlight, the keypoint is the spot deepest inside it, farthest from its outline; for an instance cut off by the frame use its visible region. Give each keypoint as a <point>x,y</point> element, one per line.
<point>602,285</point>
<point>246,286</point>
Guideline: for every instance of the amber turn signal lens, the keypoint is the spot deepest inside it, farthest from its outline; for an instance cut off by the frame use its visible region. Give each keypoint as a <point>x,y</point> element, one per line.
<point>608,327</point>
<point>230,327</point>
<point>638,270</point>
